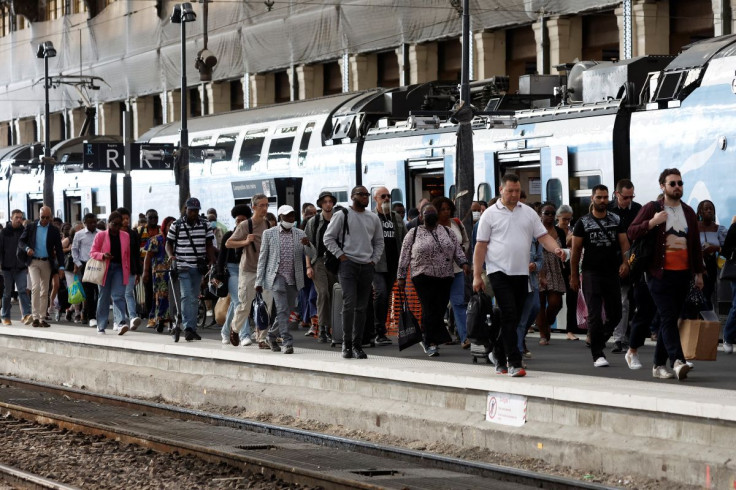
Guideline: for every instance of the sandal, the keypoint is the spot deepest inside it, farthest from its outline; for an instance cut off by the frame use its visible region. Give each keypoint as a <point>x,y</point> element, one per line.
<point>571,336</point>
<point>544,342</point>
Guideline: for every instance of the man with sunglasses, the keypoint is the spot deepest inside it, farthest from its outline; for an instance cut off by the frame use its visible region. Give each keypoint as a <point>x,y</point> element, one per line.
<point>384,276</point>
<point>41,243</point>
<point>626,209</point>
<point>677,260</point>
<point>361,250</point>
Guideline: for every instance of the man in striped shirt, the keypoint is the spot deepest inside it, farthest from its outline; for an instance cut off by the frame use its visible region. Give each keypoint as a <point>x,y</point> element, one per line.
<point>190,250</point>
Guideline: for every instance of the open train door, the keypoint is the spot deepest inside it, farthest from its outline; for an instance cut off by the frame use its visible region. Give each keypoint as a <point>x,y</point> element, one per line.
<point>555,175</point>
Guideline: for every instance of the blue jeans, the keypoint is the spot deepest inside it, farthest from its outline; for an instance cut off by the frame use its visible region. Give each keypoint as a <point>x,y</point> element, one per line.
<point>189,286</point>
<point>528,314</point>
<point>232,287</point>
<point>130,302</point>
<point>459,305</point>
<point>729,330</point>
<point>114,288</point>
<point>284,295</point>
<point>20,279</point>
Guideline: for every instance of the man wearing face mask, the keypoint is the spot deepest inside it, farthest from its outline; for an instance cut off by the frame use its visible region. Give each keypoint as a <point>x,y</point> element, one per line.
<point>280,270</point>
<point>475,210</point>
<point>384,275</point>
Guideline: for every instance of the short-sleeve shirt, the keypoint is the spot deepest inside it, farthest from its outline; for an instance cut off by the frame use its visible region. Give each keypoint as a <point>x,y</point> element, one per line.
<point>509,235</point>
<point>183,250</point>
<point>600,241</point>
<point>249,259</point>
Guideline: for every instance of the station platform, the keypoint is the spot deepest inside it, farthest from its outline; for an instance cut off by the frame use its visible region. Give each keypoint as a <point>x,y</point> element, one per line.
<point>565,411</point>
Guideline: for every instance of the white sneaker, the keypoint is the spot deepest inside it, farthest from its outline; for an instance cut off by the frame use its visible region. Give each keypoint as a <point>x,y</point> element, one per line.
<point>727,348</point>
<point>210,313</point>
<point>632,359</point>
<point>601,362</point>
<point>225,340</point>
<point>661,372</point>
<point>100,332</point>
<point>93,323</point>
<point>246,341</point>
<point>115,327</point>
<point>135,323</point>
<point>681,369</point>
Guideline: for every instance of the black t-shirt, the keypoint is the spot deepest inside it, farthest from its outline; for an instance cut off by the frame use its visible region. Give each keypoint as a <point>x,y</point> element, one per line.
<point>600,242</point>
<point>115,250</point>
<point>389,240</point>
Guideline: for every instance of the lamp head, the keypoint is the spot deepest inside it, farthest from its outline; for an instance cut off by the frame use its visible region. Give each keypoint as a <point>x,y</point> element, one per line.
<point>46,50</point>
<point>187,13</point>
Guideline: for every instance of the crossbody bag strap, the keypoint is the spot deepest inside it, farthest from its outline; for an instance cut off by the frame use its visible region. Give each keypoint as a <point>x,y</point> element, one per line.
<point>191,242</point>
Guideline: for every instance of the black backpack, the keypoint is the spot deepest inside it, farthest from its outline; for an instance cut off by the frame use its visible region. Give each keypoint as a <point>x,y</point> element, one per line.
<point>480,308</point>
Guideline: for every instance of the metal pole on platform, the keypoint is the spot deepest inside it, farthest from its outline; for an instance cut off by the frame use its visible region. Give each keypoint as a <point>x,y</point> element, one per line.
<point>46,50</point>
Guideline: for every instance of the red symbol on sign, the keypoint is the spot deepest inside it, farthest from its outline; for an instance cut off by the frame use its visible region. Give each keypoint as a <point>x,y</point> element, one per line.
<point>492,407</point>
<point>558,161</point>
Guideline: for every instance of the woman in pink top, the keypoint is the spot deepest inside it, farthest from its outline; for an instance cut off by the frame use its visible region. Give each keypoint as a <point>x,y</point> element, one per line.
<point>112,246</point>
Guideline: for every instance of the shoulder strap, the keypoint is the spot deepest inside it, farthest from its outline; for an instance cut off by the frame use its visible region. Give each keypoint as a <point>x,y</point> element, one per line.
<point>345,226</point>
<point>190,239</point>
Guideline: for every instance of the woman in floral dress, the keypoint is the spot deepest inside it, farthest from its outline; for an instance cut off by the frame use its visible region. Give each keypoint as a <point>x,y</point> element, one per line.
<point>157,261</point>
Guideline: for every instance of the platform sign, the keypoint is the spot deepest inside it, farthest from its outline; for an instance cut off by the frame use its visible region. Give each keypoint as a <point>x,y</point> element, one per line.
<point>505,409</point>
<point>108,157</point>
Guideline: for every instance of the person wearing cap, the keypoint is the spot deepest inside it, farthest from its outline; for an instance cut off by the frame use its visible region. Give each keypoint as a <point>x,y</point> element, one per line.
<point>189,248</point>
<point>361,250</point>
<point>280,270</point>
<point>384,276</point>
<point>323,279</point>
<point>247,235</point>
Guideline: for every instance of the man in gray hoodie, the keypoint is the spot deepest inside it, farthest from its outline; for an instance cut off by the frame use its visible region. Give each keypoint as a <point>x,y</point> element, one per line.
<point>362,249</point>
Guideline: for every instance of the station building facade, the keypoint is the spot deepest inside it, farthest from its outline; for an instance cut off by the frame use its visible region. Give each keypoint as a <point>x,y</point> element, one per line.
<point>124,55</point>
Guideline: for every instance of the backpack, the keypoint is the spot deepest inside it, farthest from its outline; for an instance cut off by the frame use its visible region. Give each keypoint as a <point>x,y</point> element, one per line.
<point>642,251</point>
<point>480,307</point>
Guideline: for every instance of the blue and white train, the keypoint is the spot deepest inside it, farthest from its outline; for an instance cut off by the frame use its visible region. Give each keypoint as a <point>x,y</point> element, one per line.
<point>562,135</point>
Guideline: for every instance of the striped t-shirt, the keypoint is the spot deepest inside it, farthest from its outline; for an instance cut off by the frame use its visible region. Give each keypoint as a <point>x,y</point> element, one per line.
<point>183,251</point>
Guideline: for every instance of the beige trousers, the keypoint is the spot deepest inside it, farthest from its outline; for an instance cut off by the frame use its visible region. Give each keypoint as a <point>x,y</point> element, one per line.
<point>39,272</point>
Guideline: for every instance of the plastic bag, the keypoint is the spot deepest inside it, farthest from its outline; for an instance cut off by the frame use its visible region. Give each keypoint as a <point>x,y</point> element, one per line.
<point>76,291</point>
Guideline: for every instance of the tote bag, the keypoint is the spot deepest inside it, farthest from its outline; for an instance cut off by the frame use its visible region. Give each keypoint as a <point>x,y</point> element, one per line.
<point>94,271</point>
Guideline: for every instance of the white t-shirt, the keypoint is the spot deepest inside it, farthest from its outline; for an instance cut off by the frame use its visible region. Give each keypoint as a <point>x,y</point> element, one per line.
<point>509,236</point>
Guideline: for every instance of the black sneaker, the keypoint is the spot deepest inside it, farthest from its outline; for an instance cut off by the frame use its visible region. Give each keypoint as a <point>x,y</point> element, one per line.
<point>274,345</point>
<point>68,315</point>
<point>160,327</point>
<point>176,333</point>
<point>617,347</point>
<point>347,352</point>
<point>288,350</point>
<point>188,334</point>
<point>359,354</point>
<point>383,340</point>
<point>196,335</point>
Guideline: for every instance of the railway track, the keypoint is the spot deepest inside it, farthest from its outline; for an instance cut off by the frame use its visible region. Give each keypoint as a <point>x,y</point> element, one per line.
<point>279,453</point>
<point>16,479</point>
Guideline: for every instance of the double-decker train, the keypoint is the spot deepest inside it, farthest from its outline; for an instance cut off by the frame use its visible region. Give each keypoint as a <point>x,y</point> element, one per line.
<point>562,134</point>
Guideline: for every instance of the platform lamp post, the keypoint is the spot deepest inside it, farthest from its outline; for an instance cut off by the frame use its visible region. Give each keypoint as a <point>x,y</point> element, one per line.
<point>182,14</point>
<point>46,50</point>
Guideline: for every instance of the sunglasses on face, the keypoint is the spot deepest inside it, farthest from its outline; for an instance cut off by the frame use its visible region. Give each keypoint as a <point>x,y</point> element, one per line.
<point>46,218</point>
<point>362,194</point>
<point>384,196</point>
<point>675,183</point>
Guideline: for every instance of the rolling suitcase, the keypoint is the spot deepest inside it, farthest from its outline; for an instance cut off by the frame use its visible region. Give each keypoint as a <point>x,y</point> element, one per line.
<point>336,315</point>
<point>480,351</point>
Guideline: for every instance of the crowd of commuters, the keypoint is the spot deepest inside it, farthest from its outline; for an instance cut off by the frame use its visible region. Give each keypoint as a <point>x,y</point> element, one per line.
<point>530,258</point>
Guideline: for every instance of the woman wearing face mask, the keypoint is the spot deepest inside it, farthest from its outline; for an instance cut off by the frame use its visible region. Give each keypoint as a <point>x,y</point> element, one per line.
<point>431,249</point>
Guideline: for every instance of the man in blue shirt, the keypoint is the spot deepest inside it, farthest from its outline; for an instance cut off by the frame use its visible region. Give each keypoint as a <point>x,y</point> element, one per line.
<point>44,254</point>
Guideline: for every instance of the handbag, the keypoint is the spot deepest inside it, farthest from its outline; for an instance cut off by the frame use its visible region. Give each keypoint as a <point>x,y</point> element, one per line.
<point>409,331</point>
<point>94,271</point>
<point>642,250</point>
<point>221,307</point>
<point>76,292</point>
<point>728,271</point>
<point>260,312</point>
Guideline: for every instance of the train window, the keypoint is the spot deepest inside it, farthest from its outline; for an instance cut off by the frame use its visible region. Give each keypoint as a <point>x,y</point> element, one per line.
<point>554,192</point>
<point>340,194</point>
<point>226,142</point>
<point>250,150</point>
<point>304,144</point>
<point>484,192</point>
<point>584,182</point>
<point>397,196</point>
<point>279,153</point>
<point>195,155</point>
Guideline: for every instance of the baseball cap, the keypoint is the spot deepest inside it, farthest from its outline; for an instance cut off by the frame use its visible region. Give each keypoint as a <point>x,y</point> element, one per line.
<point>284,210</point>
<point>193,203</point>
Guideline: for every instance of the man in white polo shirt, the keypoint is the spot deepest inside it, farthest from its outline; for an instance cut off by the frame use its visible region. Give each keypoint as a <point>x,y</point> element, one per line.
<point>505,233</point>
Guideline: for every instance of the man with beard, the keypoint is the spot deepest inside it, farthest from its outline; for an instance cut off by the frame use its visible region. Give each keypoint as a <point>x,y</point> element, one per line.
<point>361,250</point>
<point>602,236</point>
<point>384,276</point>
<point>677,260</point>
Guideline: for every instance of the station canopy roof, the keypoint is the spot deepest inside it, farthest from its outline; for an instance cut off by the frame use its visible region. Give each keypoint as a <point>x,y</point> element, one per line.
<point>137,52</point>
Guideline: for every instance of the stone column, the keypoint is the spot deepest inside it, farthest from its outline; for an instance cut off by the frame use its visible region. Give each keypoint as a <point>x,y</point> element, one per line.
<point>311,81</point>
<point>142,109</point>
<point>76,121</point>
<point>363,71</point>
<point>218,97</point>
<point>651,28</point>
<point>565,40</point>
<point>110,118</point>
<point>423,65</point>
<point>173,103</point>
<point>262,90</point>
<point>5,134</point>
<point>490,54</point>
<point>25,131</point>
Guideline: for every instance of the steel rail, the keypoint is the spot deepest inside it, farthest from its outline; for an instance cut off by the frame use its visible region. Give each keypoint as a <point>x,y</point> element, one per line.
<point>25,480</point>
<point>435,461</point>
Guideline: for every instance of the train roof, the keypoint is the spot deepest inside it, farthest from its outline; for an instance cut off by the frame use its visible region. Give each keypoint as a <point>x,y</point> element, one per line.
<point>699,53</point>
<point>258,115</point>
